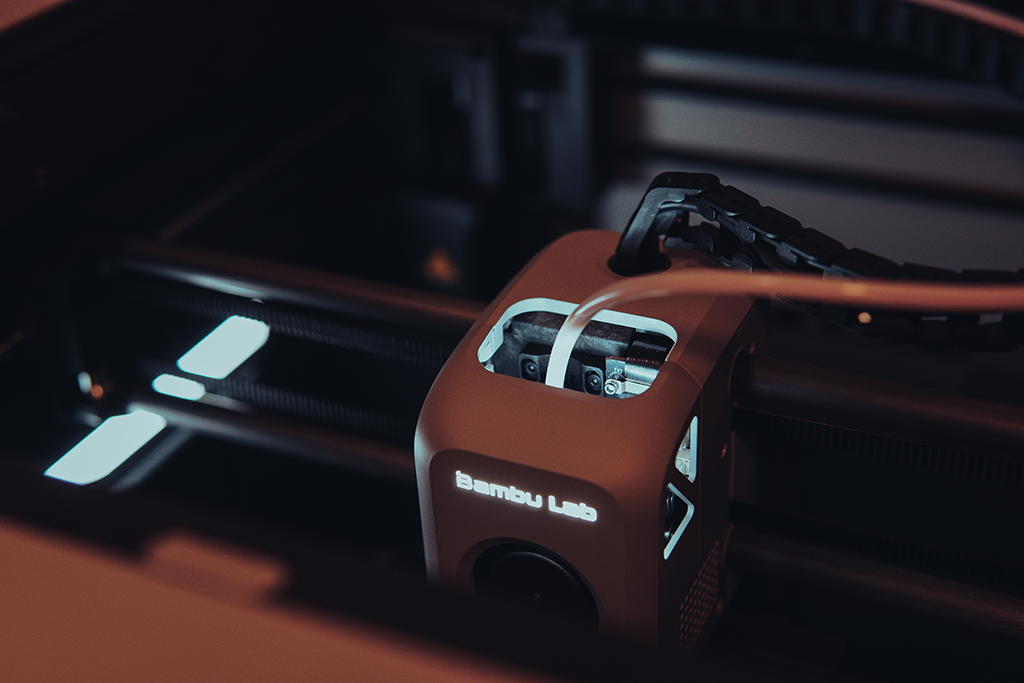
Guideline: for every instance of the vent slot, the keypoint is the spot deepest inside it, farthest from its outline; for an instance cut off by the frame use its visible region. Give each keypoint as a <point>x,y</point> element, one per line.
<point>957,463</point>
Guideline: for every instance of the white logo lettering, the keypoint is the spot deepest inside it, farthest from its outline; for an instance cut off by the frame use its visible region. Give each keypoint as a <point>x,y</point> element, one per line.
<point>514,495</point>
<point>576,510</point>
<point>501,492</point>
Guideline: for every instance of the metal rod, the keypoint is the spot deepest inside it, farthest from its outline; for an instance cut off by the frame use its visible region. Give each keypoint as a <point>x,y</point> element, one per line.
<point>289,436</point>
<point>890,404</point>
<point>444,316</point>
<point>918,593</point>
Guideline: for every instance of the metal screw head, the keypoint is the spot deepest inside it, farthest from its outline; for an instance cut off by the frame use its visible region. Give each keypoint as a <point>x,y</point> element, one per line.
<point>530,370</point>
<point>613,385</point>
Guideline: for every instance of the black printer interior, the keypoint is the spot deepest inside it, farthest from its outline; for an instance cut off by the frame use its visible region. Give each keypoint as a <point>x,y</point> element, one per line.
<point>364,178</point>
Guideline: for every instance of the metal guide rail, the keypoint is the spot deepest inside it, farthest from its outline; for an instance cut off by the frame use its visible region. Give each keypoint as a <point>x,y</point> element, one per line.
<point>756,378</point>
<point>768,380</point>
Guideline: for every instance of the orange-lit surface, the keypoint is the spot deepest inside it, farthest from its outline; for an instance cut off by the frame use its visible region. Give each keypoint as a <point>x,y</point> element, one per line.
<point>74,613</point>
<point>16,11</point>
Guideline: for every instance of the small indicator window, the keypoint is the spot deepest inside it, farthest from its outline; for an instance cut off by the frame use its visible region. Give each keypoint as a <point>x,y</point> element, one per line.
<point>686,454</point>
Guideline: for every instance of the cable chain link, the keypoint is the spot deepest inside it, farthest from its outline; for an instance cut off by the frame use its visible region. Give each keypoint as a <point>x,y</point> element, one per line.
<point>751,237</point>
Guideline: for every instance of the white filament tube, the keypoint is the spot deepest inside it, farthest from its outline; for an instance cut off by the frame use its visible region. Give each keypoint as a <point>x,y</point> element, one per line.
<point>917,296</point>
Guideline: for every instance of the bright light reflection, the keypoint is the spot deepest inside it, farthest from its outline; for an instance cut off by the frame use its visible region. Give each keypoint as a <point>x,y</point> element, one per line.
<point>106,447</point>
<point>228,346</point>
<point>685,522</point>
<point>179,387</point>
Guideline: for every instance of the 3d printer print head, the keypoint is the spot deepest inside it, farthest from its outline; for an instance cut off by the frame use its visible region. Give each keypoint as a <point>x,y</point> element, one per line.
<point>577,493</point>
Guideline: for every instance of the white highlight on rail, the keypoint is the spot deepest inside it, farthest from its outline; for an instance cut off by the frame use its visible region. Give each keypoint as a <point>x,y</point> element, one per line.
<point>106,447</point>
<point>229,345</point>
<point>979,14</point>
<point>916,296</point>
<point>179,387</point>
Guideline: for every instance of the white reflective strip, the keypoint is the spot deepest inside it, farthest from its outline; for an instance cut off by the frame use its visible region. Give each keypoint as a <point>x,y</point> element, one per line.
<point>229,345</point>
<point>179,387</point>
<point>678,533</point>
<point>106,447</point>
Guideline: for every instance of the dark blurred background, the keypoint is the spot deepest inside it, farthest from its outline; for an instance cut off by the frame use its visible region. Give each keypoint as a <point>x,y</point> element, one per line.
<point>166,163</point>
